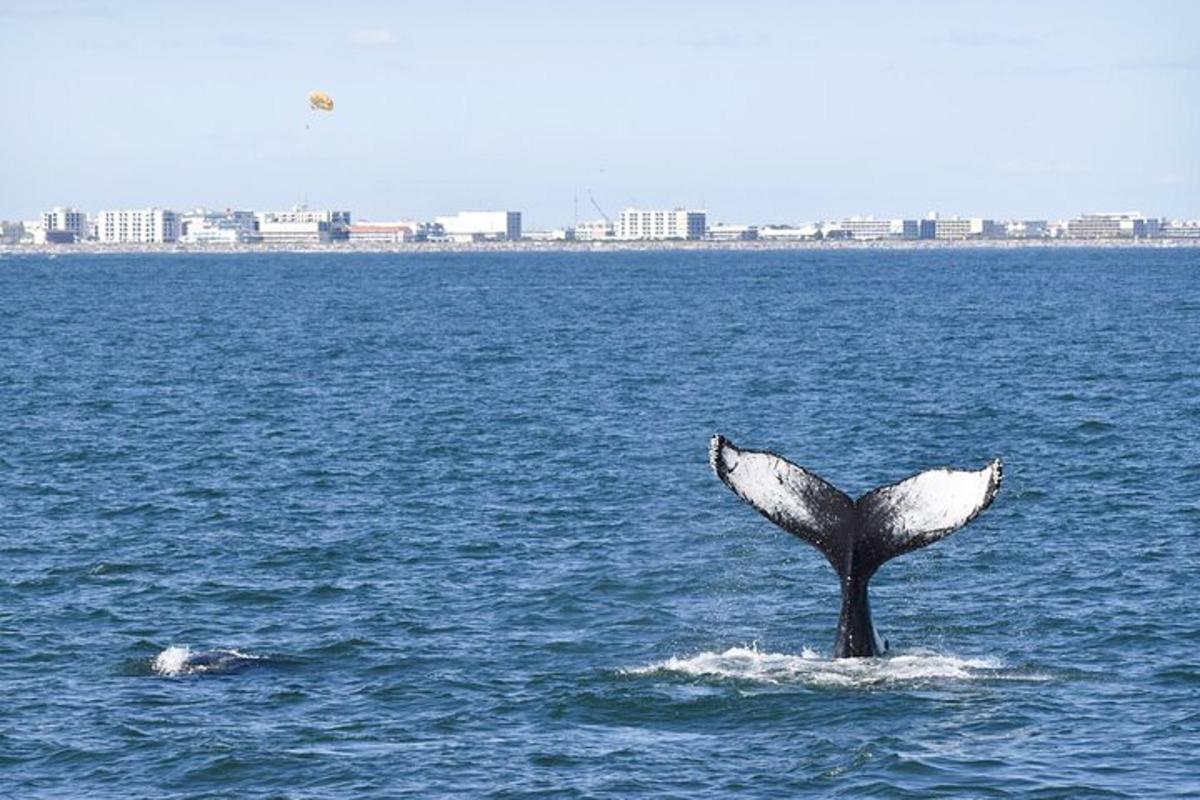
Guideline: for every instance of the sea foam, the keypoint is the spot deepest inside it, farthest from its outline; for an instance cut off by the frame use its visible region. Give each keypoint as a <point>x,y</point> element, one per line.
<point>813,669</point>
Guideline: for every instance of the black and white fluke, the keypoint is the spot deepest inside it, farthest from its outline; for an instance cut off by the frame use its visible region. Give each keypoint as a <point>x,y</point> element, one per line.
<point>857,536</point>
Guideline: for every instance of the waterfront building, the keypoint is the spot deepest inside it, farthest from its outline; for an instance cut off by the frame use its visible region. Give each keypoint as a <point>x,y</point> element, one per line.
<point>302,225</point>
<point>218,227</point>
<point>1180,229</point>
<point>137,226</point>
<point>972,228</point>
<point>11,232</point>
<point>1111,225</point>
<point>64,225</point>
<point>384,232</point>
<point>1027,229</point>
<point>482,226</point>
<point>595,230</point>
<point>788,233</point>
<point>555,235</point>
<point>678,223</point>
<point>732,233</point>
<point>871,228</point>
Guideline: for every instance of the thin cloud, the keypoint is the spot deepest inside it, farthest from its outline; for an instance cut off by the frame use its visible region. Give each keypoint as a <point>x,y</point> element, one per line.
<point>1171,179</point>
<point>708,41</point>
<point>1019,166</point>
<point>58,11</point>
<point>1135,66</point>
<point>1156,65</point>
<point>372,37</point>
<point>987,39</point>
<point>725,41</point>
<point>251,41</point>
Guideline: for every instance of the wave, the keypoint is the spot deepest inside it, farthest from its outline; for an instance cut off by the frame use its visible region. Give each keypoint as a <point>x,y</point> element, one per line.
<point>176,660</point>
<point>812,669</point>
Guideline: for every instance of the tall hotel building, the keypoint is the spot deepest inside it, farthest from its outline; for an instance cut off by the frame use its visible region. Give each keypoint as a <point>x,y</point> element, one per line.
<point>147,226</point>
<point>679,223</point>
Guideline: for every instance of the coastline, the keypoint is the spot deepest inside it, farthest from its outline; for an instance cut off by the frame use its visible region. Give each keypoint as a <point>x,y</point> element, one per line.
<point>526,246</point>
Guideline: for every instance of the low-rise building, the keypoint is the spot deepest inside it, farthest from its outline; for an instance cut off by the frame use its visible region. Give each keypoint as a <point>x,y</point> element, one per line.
<point>789,233</point>
<point>137,226</point>
<point>11,232</point>
<point>596,230</point>
<point>722,232</point>
<point>385,232</point>
<point>1112,225</point>
<point>678,223</point>
<point>302,225</point>
<point>218,227</point>
<point>871,228</point>
<point>972,228</point>
<point>555,235</point>
<point>1026,229</point>
<point>1180,229</point>
<point>482,226</point>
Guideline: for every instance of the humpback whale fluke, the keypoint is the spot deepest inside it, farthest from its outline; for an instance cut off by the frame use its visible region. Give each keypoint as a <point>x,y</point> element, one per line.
<point>857,536</point>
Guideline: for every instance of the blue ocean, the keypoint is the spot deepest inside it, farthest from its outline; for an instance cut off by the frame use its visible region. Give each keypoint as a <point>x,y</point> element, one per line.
<point>382,525</point>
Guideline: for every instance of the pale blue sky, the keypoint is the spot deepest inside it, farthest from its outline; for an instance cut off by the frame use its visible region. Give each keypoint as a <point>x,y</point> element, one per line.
<point>758,110</point>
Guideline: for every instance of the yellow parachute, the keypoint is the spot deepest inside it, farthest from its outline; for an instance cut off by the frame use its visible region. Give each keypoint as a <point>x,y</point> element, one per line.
<point>319,101</point>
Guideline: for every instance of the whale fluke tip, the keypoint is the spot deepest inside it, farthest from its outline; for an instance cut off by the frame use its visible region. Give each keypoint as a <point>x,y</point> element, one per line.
<point>714,451</point>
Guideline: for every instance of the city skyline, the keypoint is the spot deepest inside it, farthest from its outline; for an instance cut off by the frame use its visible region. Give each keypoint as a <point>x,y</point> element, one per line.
<point>303,225</point>
<point>767,112</point>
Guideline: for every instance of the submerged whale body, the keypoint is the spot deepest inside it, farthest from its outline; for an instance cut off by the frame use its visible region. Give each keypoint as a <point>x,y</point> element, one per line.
<point>856,536</point>
<point>183,661</point>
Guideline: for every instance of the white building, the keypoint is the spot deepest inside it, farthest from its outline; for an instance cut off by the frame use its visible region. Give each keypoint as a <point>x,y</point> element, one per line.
<point>384,232</point>
<point>1027,229</point>
<point>596,230</point>
<point>142,226</point>
<point>678,223</point>
<point>301,225</point>
<point>482,225</point>
<point>787,233</point>
<point>972,228</point>
<point>553,235</point>
<point>1113,225</point>
<point>217,227</point>
<point>871,228</point>
<point>64,225</point>
<point>1180,229</point>
<point>11,232</point>
<point>722,232</point>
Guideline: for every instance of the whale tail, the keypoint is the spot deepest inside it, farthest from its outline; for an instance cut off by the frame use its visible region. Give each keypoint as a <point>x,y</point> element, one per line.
<point>856,536</point>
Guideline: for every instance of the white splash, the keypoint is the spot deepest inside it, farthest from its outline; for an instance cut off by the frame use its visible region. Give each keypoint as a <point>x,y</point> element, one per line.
<point>176,660</point>
<point>171,661</point>
<point>811,669</point>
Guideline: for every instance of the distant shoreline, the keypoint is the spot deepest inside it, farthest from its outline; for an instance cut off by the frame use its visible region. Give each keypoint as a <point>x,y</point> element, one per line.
<point>597,247</point>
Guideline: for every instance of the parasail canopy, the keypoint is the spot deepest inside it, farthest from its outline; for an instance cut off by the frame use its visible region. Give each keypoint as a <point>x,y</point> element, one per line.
<point>319,101</point>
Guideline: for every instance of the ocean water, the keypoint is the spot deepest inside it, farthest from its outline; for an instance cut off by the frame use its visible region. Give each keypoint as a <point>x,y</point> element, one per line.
<point>325,526</point>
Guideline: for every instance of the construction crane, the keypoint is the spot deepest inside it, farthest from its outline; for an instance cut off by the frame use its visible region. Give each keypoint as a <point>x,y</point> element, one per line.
<point>596,206</point>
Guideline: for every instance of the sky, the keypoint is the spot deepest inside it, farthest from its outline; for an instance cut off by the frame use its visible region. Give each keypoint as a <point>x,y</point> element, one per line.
<point>763,111</point>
